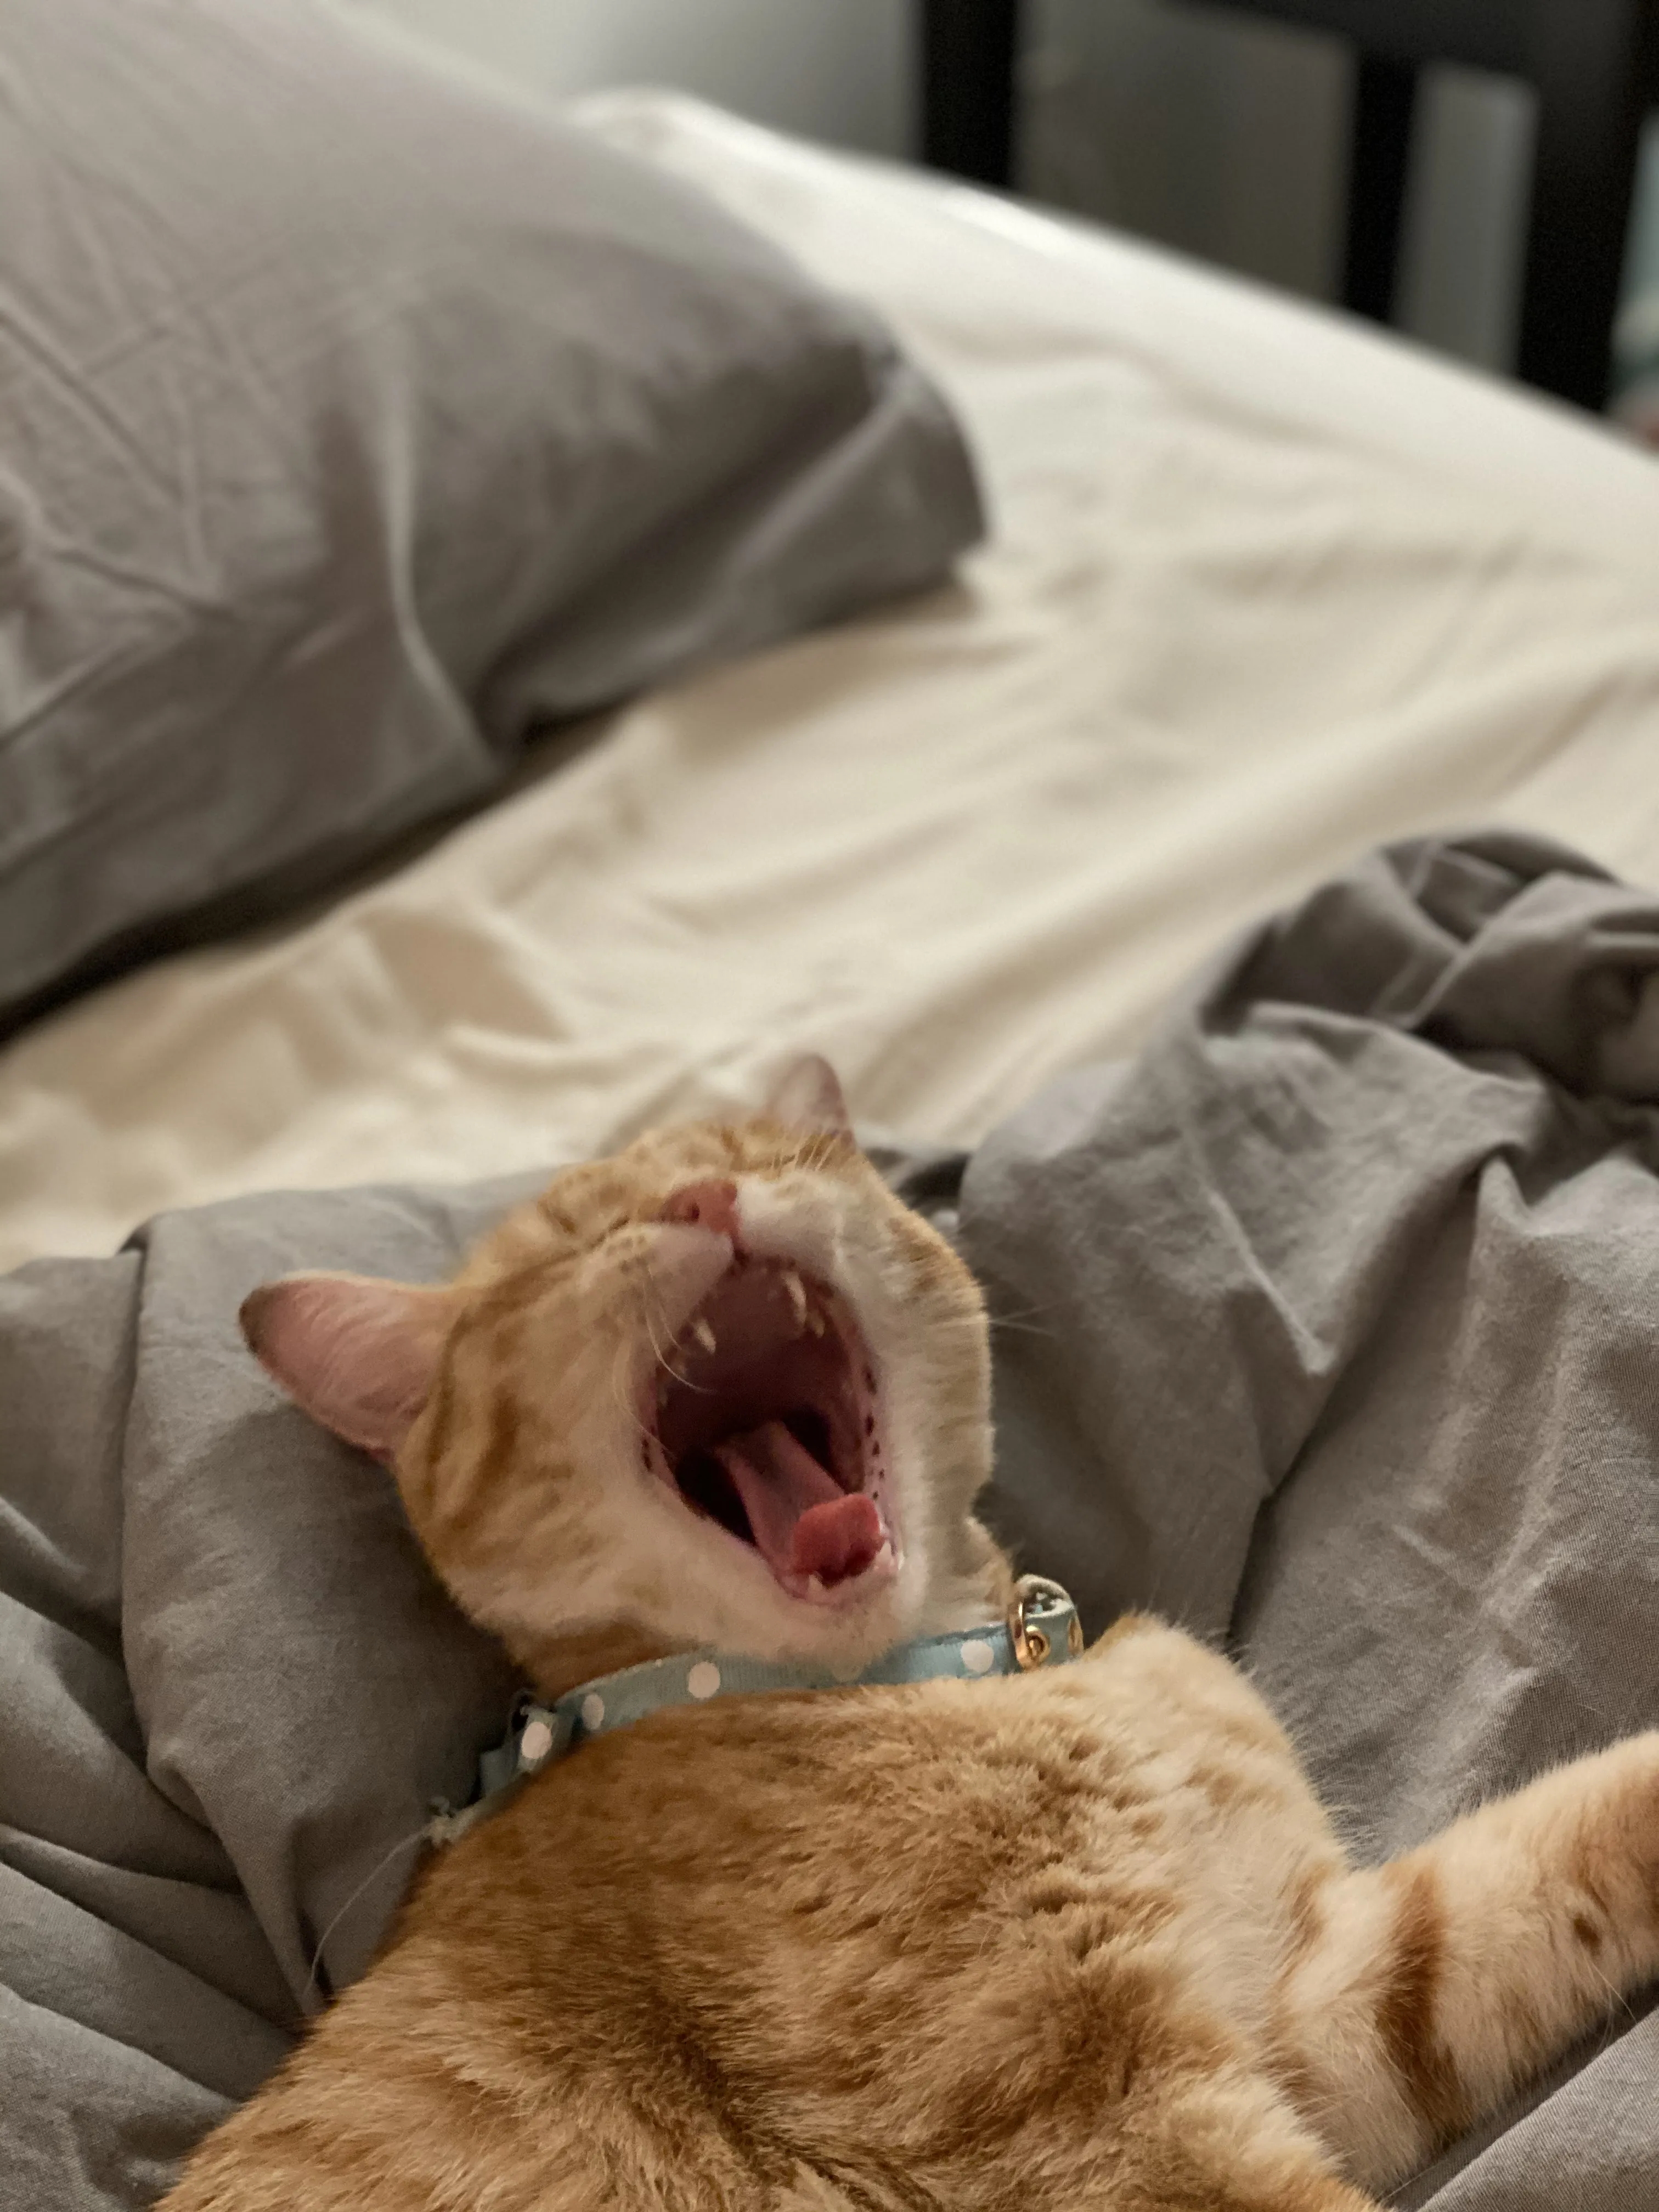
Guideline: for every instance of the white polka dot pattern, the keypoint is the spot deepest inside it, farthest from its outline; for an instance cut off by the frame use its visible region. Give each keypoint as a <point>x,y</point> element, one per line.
<point>617,1701</point>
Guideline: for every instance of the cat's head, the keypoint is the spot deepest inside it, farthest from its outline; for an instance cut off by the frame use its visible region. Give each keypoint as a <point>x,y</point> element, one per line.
<point>723,1388</point>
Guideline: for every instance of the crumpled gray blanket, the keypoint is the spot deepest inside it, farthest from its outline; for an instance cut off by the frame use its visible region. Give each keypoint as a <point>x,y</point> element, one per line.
<point>1326,1326</point>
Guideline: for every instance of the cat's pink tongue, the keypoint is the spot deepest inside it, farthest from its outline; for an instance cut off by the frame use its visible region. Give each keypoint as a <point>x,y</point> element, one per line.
<point>803,1521</point>
<point>837,1541</point>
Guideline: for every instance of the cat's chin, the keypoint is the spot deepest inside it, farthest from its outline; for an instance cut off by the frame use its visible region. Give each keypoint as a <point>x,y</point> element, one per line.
<point>849,1592</point>
<point>845,1639</point>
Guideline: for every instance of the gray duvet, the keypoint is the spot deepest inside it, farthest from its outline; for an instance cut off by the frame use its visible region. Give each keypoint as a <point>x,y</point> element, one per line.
<point>1328,1326</point>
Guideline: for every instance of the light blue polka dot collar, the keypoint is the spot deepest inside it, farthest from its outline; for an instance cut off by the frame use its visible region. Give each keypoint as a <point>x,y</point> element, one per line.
<point>1041,1630</point>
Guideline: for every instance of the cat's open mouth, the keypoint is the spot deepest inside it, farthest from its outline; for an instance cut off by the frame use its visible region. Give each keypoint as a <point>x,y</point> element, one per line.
<point>768,1421</point>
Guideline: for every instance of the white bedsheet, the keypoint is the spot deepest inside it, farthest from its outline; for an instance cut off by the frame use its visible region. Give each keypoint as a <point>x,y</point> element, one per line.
<point>1263,589</point>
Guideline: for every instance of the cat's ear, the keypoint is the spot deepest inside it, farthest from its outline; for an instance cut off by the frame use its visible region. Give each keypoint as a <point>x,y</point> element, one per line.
<point>359,1354</point>
<point>807,1095</point>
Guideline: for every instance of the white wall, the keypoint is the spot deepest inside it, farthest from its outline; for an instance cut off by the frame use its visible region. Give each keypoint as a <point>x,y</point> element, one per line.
<point>1219,134</point>
<point>837,70</point>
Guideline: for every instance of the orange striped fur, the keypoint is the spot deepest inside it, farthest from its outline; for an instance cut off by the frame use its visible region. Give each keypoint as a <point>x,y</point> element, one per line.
<point>1078,1939</point>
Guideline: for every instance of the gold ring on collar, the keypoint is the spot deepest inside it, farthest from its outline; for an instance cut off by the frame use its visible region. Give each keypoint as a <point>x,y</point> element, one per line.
<point>1034,1595</point>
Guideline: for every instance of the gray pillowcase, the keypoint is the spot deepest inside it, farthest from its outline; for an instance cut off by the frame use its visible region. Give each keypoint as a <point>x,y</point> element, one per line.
<point>356,419</point>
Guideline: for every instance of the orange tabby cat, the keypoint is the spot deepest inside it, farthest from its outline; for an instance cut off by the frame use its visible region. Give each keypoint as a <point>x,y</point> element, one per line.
<point>1073,1938</point>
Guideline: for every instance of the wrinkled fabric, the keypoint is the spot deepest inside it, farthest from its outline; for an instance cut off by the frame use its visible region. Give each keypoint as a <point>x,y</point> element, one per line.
<point>1331,1333</point>
<point>357,419</point>
<point>1324,1326</point>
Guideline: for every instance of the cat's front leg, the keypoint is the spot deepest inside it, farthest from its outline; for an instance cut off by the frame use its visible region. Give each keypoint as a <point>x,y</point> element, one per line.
<point>1430,1988</point>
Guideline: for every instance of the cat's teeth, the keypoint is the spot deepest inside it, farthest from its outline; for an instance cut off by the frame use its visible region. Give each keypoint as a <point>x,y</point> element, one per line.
<point>704,1335</point>
<point>815,1323</point>
<point>816,1585</point>
<point>793,1284</point>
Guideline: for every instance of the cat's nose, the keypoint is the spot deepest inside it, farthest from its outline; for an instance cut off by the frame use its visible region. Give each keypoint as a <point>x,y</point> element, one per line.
<point>710,1205</point>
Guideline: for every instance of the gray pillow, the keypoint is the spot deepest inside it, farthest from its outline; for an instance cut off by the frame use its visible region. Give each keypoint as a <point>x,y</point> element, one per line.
<point>354,419</point>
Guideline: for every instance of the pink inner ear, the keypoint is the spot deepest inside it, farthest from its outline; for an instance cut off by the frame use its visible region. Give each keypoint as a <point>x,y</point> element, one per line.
<point>808,1096</point>
<point>360,1355</point>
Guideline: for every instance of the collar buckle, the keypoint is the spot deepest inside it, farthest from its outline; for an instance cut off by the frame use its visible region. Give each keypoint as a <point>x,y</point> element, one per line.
<point>1036,1614</point>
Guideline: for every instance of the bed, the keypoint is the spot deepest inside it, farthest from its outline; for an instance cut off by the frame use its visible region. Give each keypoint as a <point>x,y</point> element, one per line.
<point>1261,591</point>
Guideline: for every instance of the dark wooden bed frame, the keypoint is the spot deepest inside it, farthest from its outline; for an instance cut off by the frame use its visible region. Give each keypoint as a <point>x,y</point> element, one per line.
<point>1595,65</point>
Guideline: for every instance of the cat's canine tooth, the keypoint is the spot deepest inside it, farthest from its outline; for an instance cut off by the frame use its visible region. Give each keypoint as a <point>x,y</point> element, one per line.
<point>797,1290</point>
<point>815,1321</point>
<point>815,1583</point>
<point>704,1335</point>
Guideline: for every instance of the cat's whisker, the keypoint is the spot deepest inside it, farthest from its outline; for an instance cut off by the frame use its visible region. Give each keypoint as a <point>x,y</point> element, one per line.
<point>1012,1313</point>
<point>1618,2004</point>
<point>621,1397</point>
<point>403,1844</point>
<point>670,1372</point>
<point>972,1322</point>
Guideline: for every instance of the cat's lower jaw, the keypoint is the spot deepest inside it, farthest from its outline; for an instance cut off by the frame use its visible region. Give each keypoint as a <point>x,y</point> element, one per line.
<point>980,1593</point>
